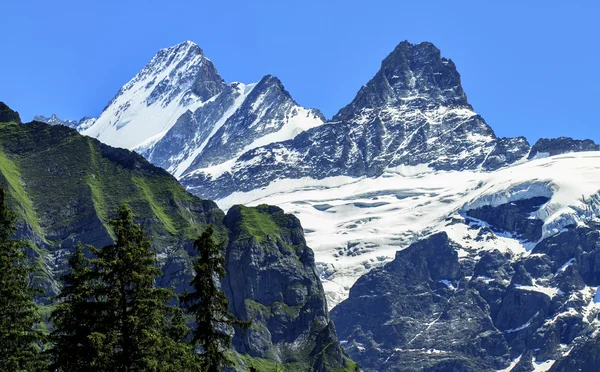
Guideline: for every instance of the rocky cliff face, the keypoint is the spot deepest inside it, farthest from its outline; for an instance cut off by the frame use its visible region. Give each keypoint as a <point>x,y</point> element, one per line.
<point>272,282</point>
<point>562,145</point>
<point>65,187</point>
<point>443,305</point>
<point>414,112</point>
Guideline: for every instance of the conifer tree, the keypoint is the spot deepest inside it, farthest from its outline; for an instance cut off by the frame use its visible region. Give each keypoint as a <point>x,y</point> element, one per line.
<point>111,317</point>
<point>75,318</point>
<point>135,318</point>
<point>19,339</point>
<point>209,306</point>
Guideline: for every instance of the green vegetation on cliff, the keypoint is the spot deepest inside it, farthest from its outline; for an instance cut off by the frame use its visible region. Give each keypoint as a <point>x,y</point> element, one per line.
<point>65,188</point>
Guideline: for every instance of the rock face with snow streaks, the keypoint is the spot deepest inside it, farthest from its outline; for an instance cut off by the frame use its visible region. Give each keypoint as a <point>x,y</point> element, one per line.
<point>240,118</point>
<point>561,145</point>
<point>442,305</point>
<point>412,113</point>
<point>180,114</point>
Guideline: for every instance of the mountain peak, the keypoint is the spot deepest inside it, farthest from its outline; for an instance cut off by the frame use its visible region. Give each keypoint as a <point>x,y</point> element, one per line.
<point>177,79</point>
<point>270,81</point>
<point>184,47</point>
<point>176,69</point>
<point>55,120</point>
<point>411,75</point>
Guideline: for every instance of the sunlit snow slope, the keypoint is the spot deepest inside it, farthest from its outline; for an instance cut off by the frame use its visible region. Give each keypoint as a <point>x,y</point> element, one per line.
<point>180,114</point>
<point>354,224</point>
<point>177,79</point>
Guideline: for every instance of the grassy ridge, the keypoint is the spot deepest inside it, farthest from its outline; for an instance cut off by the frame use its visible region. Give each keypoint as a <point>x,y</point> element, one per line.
<point>12,177</point>
<point>65,188</point>
<point>59,178</point>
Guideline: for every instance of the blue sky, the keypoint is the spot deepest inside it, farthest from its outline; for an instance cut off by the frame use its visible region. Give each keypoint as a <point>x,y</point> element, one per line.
<point>528,67</point>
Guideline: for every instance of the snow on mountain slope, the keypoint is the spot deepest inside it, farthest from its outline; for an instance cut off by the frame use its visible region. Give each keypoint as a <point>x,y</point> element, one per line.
<point>238,119</point>
<point>413,112</point>
<point>355,224</point>
<point>179,113</point>
<point>301,119</point>
<point>191,153</point>
<point>267,114</point>
<point>177,79</point>
<point>80,125</point>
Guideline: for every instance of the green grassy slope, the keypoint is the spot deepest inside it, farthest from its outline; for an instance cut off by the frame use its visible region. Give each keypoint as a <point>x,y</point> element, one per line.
<point>66,187</point>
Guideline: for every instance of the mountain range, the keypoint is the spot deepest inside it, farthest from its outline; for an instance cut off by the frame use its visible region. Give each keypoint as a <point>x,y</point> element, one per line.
<point>440,245</point>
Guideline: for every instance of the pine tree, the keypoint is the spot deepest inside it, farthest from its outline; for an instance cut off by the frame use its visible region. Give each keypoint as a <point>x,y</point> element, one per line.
<point>208,304</point>
<point>177,353</point>
<point>136,315</point>
<point>19,339</point>
<point>111,317</point>
<point>75,317</point>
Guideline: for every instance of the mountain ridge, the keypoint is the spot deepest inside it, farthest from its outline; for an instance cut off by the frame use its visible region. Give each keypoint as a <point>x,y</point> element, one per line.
<point>414,112</point>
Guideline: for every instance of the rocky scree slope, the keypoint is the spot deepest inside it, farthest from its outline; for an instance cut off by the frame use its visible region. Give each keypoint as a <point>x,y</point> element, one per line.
<point>65,187</point>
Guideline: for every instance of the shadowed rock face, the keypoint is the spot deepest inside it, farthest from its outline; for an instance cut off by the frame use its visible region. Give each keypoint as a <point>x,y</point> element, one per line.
<point>271,280</point>
<point>584,357</point>
<point>413,112</point>
<point>514,217</point>
<point>429,310</point>
<point>412,315</point>
<point>561,145</point>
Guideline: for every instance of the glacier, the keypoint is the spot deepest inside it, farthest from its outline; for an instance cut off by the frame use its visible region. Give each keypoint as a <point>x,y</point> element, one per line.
<point>355,224</point>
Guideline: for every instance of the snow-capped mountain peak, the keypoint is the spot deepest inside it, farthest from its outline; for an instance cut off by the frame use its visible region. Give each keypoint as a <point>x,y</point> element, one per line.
<point>80,125</point>
<point>413,113</point>
<point>177,79</point>
<point>182,116</point>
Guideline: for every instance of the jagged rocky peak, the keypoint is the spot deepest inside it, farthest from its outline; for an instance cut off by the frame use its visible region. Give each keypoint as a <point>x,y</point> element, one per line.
<point>561,145</point>
<point>267,114</point>
<point>240,118</point>
<point>177,79</point>
<point>180,67</point>
<point>80,125</point>
<point>54,120</point>
<point>412,75</point>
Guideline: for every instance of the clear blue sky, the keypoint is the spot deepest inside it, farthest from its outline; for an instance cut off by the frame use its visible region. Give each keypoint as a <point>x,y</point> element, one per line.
<point>529,67</point>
